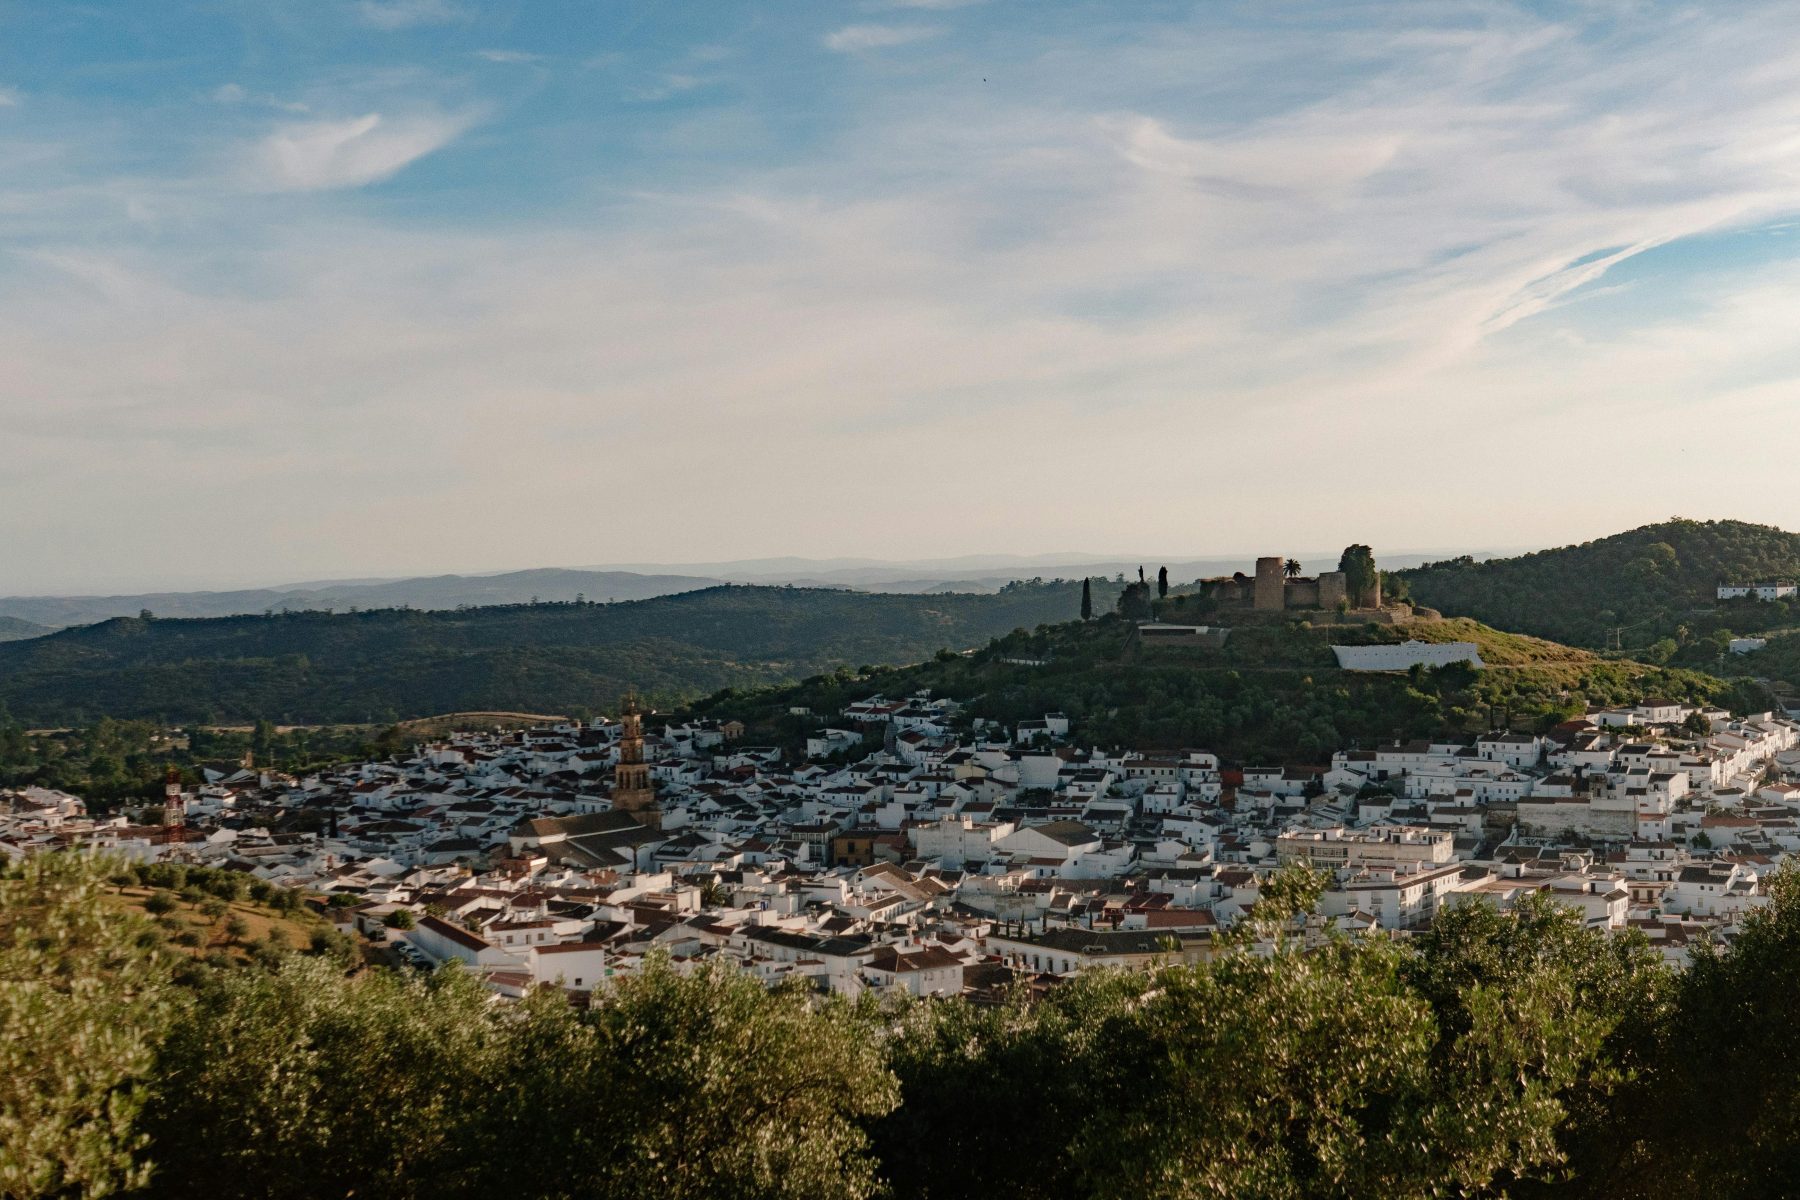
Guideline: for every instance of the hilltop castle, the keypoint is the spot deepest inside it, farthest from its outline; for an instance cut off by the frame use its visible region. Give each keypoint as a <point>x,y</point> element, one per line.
<point>1272,589</point>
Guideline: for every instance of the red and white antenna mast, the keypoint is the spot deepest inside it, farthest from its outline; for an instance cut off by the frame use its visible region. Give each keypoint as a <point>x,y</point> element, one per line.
<point>174,807</point>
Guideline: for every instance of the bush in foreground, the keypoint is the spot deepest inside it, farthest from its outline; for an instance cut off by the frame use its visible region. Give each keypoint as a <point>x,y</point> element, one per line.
<point>1514,1053</point>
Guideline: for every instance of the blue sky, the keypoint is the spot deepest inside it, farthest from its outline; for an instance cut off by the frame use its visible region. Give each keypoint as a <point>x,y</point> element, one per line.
<point>370,287</point>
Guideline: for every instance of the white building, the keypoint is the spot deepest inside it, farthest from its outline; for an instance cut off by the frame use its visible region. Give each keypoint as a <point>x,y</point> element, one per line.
<point>1057,841</point>
<point>1397,899</point>
<point>1387,846</point>
<point>956,840</point>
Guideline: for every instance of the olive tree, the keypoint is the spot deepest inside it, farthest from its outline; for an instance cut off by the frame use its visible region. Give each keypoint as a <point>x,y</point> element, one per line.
<point>84,997</point>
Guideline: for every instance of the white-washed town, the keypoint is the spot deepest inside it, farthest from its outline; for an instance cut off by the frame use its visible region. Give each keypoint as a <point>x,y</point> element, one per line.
<point>912,848</point>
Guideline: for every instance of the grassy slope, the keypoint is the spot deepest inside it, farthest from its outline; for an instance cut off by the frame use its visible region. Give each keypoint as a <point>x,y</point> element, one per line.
<point>1498,648</point>
<point>1306,647</point>
<point>295,929</point>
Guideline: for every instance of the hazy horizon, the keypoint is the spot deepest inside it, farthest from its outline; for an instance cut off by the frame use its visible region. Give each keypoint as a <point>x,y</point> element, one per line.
<point>773,566</point>
<point>384,288</point>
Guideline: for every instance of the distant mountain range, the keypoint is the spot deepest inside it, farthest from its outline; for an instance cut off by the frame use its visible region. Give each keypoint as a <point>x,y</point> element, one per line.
<point>431,592</point>
<point>14,629</point>
<point>638,581</point>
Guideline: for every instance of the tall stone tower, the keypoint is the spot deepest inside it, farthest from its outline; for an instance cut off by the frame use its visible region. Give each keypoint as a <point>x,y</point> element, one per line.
<point>1372,594</point>
<point>632,792</point>
<point>1334,588</point>
<point>1271,584</point>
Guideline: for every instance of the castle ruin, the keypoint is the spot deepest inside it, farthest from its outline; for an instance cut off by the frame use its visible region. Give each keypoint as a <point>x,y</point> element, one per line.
<point>1272,589</point>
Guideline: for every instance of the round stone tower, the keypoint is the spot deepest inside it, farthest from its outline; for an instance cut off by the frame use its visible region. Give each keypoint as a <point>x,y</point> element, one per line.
<point>1271,584</point>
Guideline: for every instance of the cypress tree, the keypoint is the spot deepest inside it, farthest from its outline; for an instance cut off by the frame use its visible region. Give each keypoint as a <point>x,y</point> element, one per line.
<point>1360,575</point>
<point>1087,599</point>
<point>1162,582</point>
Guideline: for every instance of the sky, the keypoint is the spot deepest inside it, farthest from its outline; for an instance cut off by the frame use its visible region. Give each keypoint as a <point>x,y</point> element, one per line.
<point>297,289</point>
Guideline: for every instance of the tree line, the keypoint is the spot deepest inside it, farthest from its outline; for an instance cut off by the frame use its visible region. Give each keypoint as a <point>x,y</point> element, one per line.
<point>1517,1053</point>
<point>113,764</point>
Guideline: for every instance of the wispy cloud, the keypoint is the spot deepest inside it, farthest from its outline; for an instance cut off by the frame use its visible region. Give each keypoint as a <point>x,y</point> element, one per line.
<point>509,56</point>
<point>666,87</point>
<point>9,97</point>
<point>235,93</point>
<point>318,155</point>
<point>1359,239</point>
<point>405,14</point>
<point>854,38</point>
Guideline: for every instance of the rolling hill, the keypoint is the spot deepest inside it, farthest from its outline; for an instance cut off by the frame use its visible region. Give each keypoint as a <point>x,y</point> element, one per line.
<point>1275,697</point>
<point>13,629</point>
<point>1645,584</point>
<point>388,664</point>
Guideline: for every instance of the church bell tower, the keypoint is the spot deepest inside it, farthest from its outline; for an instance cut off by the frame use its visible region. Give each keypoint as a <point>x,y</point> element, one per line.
<point>632,792</point>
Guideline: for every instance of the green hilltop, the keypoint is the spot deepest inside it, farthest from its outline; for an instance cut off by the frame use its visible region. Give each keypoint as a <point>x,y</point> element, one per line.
<point>1632,589</point>
<point>1270,694</point>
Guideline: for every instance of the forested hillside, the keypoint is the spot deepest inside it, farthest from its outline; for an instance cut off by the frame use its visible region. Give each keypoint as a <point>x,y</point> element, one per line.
<point>1645,584</point>
<point>113,763</point>
<point>1273,698</point>
<point>1270,694</point>
<point>1778,662</point>
<point>309,667</point>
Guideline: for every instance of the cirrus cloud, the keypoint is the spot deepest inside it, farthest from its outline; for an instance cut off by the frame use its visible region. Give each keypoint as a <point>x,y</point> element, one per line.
<point>1480,250</point>
<point>405,14</point>
<point>317,155</point>
<point>853,38</point>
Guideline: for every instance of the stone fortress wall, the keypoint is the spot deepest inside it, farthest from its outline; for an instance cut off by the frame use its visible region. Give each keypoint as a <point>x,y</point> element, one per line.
<point>1201,617</point>
<point>1272,590</point>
